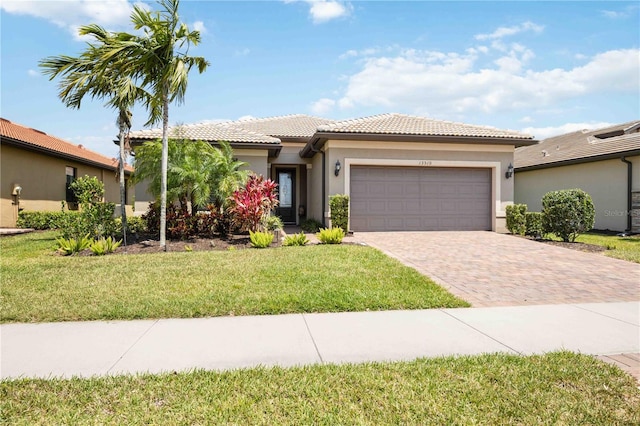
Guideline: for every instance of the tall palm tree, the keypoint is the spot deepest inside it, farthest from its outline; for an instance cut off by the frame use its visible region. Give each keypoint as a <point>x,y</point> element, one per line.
<point>228,177</point>
<point>91,74</point>
<point>160,59</point>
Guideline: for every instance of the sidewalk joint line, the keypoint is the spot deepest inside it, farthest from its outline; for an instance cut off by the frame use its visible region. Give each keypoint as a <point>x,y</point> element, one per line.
<point>312,339</point>
<point>132,345</point>
<point>604,315</point>
<point>481,332</point>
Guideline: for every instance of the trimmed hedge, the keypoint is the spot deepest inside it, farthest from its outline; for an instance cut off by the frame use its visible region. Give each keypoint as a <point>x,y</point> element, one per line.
<point>567,213</point>
<point>44,220</point>
<point>516,221</point>
<point>534,224</point>
<point>339,207</point>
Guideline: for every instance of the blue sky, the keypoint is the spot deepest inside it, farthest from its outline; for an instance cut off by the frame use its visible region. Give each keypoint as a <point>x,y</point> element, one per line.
<point>540,67</point>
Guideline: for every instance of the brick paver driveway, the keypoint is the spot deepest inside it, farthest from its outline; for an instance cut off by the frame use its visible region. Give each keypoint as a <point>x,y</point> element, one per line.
<point>490,269</point>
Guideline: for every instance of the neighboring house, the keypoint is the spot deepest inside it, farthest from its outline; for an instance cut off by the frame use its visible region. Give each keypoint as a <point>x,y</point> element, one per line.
<point>37,168</point>
<point>401,172</point>
<point>605,163</point>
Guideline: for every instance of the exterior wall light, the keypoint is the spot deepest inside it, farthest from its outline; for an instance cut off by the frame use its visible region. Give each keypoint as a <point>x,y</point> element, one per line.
<point>509,173</point>
<point>338,167</point>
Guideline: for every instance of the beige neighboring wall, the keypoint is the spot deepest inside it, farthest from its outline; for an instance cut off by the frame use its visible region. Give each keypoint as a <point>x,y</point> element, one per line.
<point>413,154</point>
<point>43,181</point>
<point>605,181</point>
<point>257,159</point>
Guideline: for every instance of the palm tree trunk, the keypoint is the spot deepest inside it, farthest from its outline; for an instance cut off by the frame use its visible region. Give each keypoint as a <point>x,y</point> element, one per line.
<point>165,163</point>
<point>123,189</point>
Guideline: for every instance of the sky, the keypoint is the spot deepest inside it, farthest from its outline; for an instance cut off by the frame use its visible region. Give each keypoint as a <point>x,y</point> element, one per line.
<point>543,68</point>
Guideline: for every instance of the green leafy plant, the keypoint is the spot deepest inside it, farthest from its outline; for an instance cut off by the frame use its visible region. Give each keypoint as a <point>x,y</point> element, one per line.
<point>339,206</point>
<point>330,235</point>
<point>95,217</point>
<point>188,248</point>
<point>68,246</point>
<point>135,224</point>
<point>104,246</point>
<point>43,220</point>
<point>272,223</point>
<point>310,225</point>
<point>261,239</point>
<point>567,213</point>
<point>516,221</point>
<point>295,240</point>
<point>534,224</point>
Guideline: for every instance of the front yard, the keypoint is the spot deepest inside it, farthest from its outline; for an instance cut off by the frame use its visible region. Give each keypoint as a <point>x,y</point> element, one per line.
<point>625,248</point>
<point>556,388</point>
<point>40,286</point>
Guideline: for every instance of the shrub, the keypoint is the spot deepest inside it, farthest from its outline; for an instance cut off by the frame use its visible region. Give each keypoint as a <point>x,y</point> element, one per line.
<point>534,224</point>
<point>95,218</point>
<point>339,207</point>
<point>261,239</point>
<point>250,203</point>
<point>42,220</point>
<point>567,213</point>
<point>104,246</point>
<point>295,240</point>
<point>330,235</point>
<point>271,223</point>
<point>68,246</point>
<point>136,224</point>
<point>516,222</point>
<point>310,225</point>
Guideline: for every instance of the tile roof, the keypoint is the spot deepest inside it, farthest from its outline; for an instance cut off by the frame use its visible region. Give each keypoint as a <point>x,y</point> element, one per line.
<point>400,124</point>
<point>56,146</point>
<point>226,131</point>
<point>580,146</point>
<point>286,126</point>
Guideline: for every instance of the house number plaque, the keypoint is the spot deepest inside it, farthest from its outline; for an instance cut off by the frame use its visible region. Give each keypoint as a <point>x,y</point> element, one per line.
<point>424,163</point>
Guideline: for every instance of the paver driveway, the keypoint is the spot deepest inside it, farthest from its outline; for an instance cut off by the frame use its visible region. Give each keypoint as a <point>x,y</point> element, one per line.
<point>490,269</point>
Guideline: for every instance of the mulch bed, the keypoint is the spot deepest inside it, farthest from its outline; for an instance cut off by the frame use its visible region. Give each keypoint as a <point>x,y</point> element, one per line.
<point>591,248</point>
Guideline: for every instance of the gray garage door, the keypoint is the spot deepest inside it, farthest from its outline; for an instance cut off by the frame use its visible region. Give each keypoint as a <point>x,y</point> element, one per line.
<point>420,199</point>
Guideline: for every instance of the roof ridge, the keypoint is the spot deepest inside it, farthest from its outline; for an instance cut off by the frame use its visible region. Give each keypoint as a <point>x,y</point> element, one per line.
<point>339,123</point>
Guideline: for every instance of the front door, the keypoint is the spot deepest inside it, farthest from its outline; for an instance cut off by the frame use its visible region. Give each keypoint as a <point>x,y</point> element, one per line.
<point>286,180</point>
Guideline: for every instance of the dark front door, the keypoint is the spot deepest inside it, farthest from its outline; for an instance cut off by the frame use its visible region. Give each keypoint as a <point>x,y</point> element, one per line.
<point>286,180</point>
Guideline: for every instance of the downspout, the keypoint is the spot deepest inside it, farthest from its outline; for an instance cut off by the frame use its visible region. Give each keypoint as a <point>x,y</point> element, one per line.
<point>629,184</point>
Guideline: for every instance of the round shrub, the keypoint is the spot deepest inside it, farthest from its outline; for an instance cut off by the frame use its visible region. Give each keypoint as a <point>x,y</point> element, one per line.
<point>516,222</point>
<point>567,213</point>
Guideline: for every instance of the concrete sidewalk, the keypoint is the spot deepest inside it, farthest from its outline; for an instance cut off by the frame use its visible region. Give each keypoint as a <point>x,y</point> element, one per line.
<point>120,347</point>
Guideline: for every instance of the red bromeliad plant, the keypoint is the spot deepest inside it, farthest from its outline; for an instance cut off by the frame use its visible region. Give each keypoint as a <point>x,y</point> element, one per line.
<point>249,204</point>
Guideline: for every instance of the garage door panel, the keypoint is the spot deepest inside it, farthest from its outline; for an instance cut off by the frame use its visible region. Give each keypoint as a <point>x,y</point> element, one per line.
<point>407,198</point>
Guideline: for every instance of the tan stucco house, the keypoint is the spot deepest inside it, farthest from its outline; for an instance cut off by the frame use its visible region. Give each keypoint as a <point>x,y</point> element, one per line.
<point>401,172</point>
<point>604,162</point>
<point>36,169</point>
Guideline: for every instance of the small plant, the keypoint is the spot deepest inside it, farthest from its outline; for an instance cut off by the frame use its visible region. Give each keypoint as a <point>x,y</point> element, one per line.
<point>295,240</point>
<point>261,239</point>
<point>311,225</point>
<point>516,221</point>
<point>188,248</point>
<point>339,206</point>
<point>272,223</point>
<point>567,213</point>
<point>534,224</point>
<point>104,246</point>
<point>330,235</point>
<point>68,246</point>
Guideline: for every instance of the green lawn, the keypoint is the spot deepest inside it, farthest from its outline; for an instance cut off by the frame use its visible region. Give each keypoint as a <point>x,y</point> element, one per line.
<point>625,248</point>
<point>559,388</point>
<point>38,285</point>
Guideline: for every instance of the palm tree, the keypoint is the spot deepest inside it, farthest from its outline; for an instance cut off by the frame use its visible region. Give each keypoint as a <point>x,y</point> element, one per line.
<point>228,176</point>
<point>91,74</point>
<point>160,59</point>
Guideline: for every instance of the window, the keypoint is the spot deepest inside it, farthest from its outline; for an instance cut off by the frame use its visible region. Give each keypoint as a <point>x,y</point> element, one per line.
<point>71,173</point>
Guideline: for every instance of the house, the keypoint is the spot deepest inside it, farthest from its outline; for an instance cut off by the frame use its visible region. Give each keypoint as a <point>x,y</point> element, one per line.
<point>36,169</point>
<point>401,172</point>
<point>605,163</point>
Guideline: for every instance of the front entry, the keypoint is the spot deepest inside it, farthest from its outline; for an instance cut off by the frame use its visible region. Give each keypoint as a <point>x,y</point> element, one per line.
<point>286,180</point>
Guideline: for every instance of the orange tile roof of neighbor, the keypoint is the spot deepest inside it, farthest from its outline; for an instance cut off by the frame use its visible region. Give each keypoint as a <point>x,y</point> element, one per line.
<point>40,141</point>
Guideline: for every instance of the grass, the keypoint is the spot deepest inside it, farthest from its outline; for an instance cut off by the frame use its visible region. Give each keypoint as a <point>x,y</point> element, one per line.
<point>625,248</point>
<point>38,285</point>
<point>557,388</point>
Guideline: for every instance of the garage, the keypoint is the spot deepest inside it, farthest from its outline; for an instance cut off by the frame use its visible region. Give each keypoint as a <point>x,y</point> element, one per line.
<point>420,199</point>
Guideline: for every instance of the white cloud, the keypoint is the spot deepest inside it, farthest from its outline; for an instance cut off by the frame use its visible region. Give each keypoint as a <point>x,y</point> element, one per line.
<point>199,26</point>
<point>323,106</point>
<point>526,119</point>
<point>509,31</point>
<point>454,84</point>
<point>322,11</point>
<point>33,73</point>
<point>547,132</point>
<point>242,52</point>
<point>70,14</point>
<point>620,14</point>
